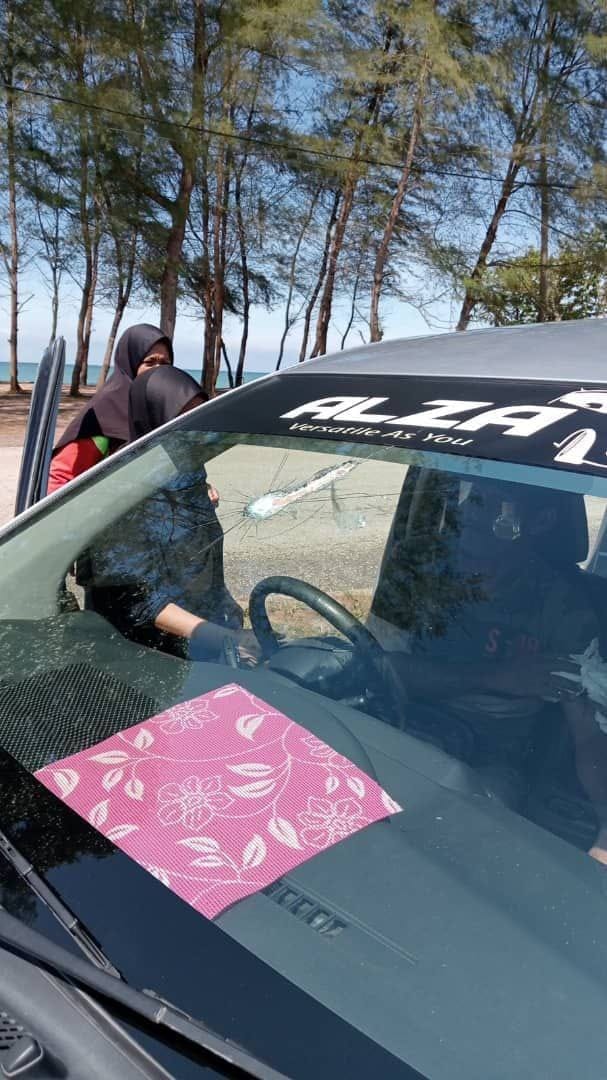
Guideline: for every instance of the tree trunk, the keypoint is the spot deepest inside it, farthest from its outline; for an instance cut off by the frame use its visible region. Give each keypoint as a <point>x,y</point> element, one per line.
<point>87,300</point>
<point>88,318</point>
<point>352,309</point>
<point>75,387</point>
<point>292,269</point>
<point>326,302</point>
<point>54,304</point>
<point>87,243</point>
<point>470,297</point>
<point>174,249</point>
<point>526,132</point>
<point>13,261</point>
<point>207,288</point>
<point>217,290</point>
<point>226,358</point>
<point>181,208</point>
<point>124,295</point>
<point>14,249</point>
<point>397,202</point>
<point>55,271</point>
<point>209,335</point>
<point>347,201</point>
<point>246,295</point>
<point>320,277</point>
<point>543,313</point>
<point>109,345</point>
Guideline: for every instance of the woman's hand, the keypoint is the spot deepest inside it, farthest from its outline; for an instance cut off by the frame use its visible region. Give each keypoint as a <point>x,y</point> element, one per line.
<point>248,647</point>
<point>208,638</point>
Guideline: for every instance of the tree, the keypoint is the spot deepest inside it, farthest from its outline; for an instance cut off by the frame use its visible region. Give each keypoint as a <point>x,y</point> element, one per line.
<point>289,317</point>
<point>50,227</point>
<point>335,200</point>
<point>172,73</point>
<point>11,251</point>
<point>545,85</point>
<point>512,293</point>
<point>369,55</point>
<point>122,257</point>
<point>75,64</point>
<point>431,80</point>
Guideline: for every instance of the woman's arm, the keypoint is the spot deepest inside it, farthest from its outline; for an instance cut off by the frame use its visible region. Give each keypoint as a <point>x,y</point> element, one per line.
<point>206,637</point>
<point>176,620</point>
<point>72,460</point>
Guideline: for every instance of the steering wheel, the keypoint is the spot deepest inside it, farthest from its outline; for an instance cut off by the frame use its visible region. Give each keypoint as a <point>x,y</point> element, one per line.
<point>338,616</point>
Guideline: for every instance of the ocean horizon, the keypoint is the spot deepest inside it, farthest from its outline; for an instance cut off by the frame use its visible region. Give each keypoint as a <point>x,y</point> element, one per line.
<point>28,373</point>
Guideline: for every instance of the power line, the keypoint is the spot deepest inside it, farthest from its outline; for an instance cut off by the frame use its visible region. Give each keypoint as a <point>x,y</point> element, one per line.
<point>273,144</point>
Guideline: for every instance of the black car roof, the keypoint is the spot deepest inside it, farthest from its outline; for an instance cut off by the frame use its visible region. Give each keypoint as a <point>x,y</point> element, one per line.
<point>573,351</point>
<point>534,395</point>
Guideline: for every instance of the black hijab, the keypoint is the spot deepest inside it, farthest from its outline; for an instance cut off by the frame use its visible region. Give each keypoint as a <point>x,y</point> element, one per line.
<point>158,396</point>
<point>107,413</point>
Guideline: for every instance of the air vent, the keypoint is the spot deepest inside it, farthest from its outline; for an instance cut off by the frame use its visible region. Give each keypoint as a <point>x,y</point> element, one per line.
<point>20,1053</point>
<point>317,916</point>
<point>10,1031</point>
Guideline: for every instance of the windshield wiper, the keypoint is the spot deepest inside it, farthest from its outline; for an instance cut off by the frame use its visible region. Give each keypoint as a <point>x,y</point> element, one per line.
<point>70,923</point>
<point>34,947</point>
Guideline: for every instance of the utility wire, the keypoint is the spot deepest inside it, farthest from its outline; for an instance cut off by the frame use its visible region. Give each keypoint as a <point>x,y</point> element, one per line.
<point>273,144</point>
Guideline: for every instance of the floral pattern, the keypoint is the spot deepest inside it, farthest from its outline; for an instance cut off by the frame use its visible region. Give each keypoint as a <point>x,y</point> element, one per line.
<point>185,715</point>
<point>218,796</point>
<point>319,749</point>
<point>192,803</point>
<point>326,822</point>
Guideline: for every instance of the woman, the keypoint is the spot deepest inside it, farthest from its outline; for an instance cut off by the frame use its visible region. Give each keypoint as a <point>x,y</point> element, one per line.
<point>103,424</point>
<point>157,575</point>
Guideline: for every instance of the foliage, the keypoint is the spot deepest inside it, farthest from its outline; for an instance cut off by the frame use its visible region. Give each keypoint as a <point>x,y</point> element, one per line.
<point>326,159</point>
<point>577,276</point>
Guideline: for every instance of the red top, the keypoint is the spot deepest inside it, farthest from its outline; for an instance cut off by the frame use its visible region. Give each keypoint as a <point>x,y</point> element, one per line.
<point>71,461</point>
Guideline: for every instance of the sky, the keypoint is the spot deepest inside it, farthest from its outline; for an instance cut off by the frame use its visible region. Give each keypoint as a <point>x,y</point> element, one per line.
<point>400,320</point>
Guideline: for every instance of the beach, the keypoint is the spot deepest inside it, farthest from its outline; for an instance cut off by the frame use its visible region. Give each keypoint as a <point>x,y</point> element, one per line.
<point>14,410</point>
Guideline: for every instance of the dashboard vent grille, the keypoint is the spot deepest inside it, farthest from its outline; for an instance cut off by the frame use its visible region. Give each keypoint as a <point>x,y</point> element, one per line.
<point>10,1031</point>
<point>317,916</point>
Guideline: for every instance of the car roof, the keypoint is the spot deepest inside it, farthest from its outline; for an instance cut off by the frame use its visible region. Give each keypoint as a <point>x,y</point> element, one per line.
<point>574,351</point>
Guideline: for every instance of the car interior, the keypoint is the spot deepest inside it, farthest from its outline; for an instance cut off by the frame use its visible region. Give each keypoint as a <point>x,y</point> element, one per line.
<point>102,682</point>
<point>420,896</point>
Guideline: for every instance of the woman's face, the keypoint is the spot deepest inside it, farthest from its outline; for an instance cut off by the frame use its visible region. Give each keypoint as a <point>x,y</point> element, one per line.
<point>158,355</point>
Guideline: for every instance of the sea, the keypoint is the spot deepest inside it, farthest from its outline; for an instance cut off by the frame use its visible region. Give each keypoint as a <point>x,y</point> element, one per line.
<point>28,372</point>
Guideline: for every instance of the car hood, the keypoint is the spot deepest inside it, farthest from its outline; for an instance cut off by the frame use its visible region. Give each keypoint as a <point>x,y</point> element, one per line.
<point>464,939</point>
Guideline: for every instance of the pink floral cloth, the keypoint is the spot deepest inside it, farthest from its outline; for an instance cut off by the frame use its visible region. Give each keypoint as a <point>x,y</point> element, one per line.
<point>218,796</point>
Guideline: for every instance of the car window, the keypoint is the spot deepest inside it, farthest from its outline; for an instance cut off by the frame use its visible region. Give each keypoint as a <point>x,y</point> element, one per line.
<point>435,620</point>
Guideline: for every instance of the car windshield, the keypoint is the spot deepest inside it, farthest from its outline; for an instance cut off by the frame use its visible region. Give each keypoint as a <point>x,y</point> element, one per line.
<point>428,630</point>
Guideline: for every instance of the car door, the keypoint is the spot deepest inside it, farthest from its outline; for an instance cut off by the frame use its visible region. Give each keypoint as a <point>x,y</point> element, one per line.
<point>40,430</point>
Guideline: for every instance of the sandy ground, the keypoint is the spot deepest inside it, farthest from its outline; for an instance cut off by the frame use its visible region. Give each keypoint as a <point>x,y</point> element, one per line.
<point>14,410</point>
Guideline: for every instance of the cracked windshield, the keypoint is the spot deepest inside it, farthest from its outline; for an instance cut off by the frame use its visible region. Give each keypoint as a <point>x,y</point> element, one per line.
<point>387,666</point>
<point>322,517</point>
<point>455,600</point>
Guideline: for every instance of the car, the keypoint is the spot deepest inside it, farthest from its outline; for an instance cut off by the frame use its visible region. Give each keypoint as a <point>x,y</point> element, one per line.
<point>374,843</point>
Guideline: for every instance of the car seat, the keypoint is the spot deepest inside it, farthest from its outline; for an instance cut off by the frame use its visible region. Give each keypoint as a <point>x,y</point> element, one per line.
<point>418,586</point>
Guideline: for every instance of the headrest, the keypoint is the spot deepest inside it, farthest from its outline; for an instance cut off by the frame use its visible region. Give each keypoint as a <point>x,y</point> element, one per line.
<point>567,542</point>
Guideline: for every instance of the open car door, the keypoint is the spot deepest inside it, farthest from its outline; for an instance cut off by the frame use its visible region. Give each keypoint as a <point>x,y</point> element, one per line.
<point>40,430</point>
